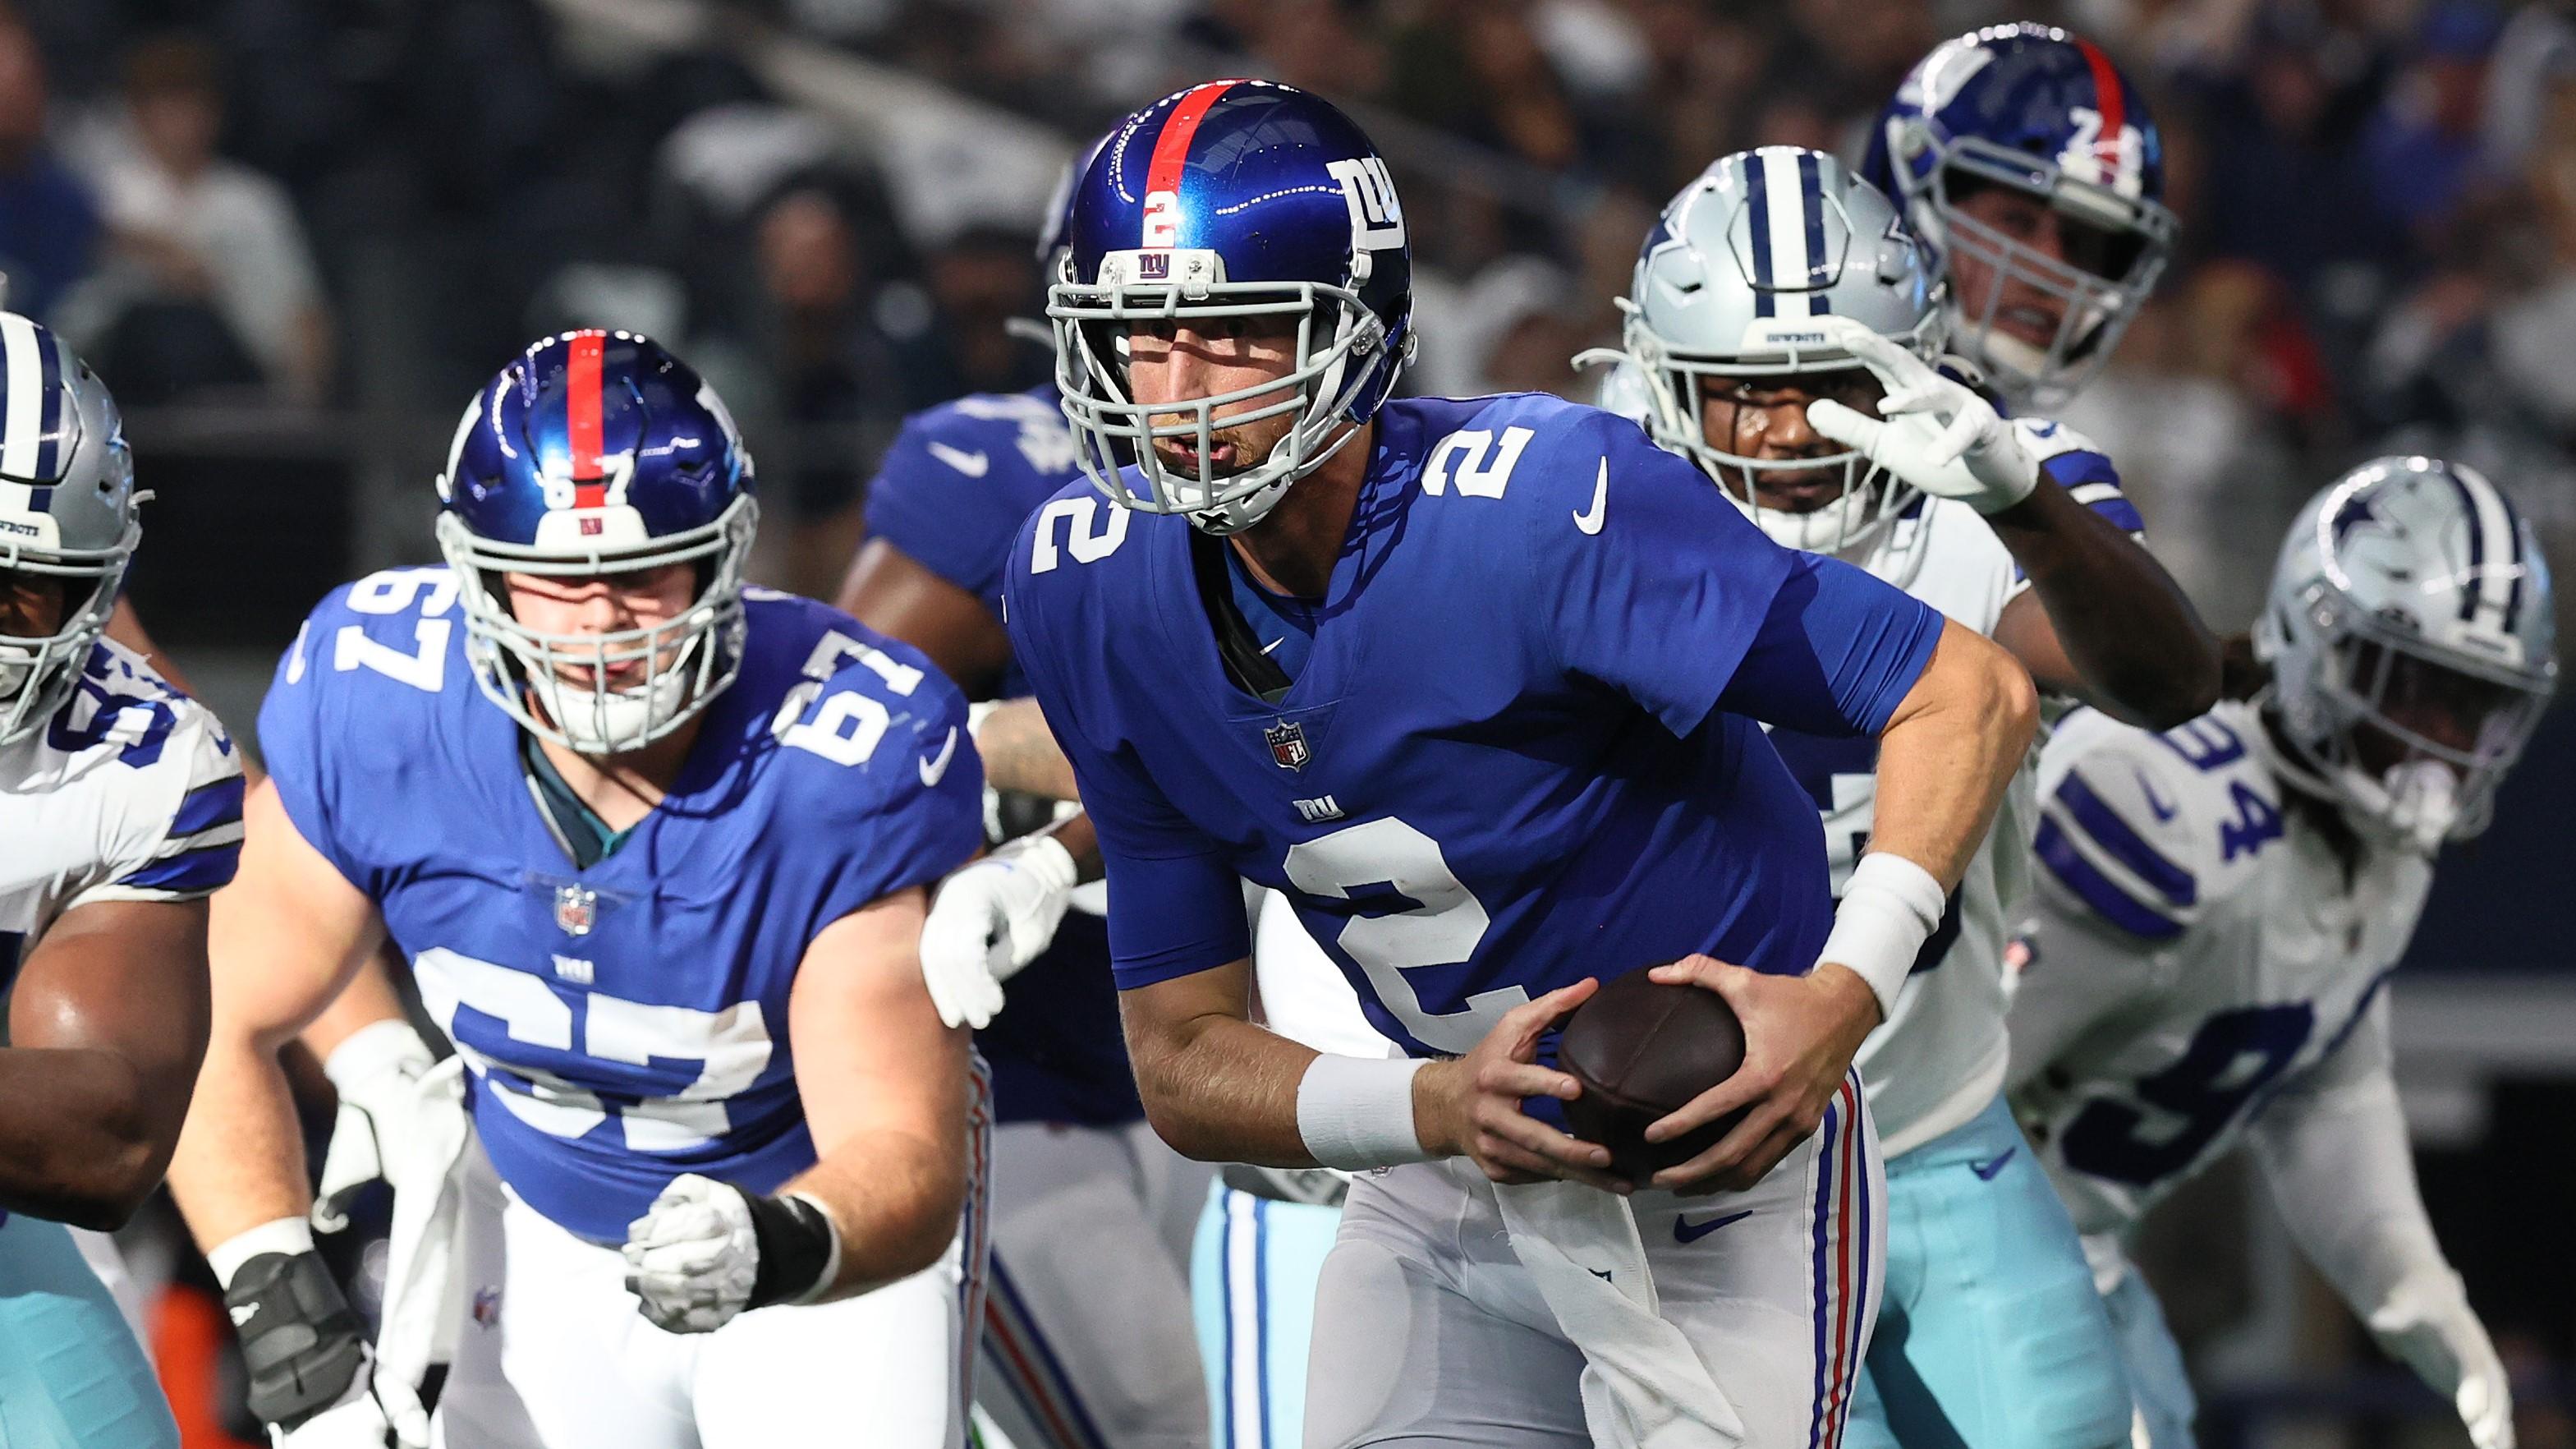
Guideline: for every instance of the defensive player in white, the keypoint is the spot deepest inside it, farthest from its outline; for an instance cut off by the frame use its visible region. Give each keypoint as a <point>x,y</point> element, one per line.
<point>2223,902</point>
<point>1788,334</point>
<point>120,811</point>
<point>655,848</point>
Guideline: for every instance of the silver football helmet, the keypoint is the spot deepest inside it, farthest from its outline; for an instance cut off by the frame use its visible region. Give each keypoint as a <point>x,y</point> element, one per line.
<point>2413,644</point>
<point>1725,291</point>
<point>68,511</point>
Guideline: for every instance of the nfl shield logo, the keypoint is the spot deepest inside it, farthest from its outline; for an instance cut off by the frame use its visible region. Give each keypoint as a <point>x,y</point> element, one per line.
<point>487,1307</point>
<point>1287,744</point>
<point>576,909</point>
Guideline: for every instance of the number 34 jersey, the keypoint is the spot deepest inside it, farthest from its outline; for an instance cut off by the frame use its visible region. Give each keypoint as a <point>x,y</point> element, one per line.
<point>130,792</point>
<point>627,1022</point>
<point>2196,949</point>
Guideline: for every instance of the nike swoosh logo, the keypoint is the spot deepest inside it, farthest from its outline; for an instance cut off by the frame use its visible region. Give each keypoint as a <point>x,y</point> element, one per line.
<point>1686,1231</point>
<point>1601,1273</point>
<point>1987,1169</point>
<point>932,769</point>
<point>2154,801</point>
<point>1591,522</point>
<point>1273,644</point>
<point>970,464</point>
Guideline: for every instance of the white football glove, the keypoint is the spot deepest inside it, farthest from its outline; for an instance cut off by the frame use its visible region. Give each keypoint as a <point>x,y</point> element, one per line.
<point>1932,431</point>
<point>989,920</point>
<point>2427,1323</point>
<point>378,1072</point>
<point>692,1258</point>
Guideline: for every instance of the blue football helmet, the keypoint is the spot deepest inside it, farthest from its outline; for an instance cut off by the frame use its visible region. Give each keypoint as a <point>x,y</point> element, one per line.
<point>1233,199</point>
<point>599,453</point>
<point>68,511</point>
<point>2037,110</point>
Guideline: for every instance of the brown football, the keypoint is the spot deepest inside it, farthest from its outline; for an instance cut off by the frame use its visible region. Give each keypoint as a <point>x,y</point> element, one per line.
<point>1641,1049</point>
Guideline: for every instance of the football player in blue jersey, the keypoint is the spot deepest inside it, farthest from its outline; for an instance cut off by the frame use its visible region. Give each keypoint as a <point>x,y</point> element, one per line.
<point>655,846</point>
<point>1476,684</point>
<point>2031,167</point>
<point>1087,1326</point>
<point>120,809</point>
<point>1790,339</point>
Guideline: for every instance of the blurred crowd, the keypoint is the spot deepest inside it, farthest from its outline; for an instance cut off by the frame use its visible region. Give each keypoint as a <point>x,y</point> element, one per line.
<point>366,206</point>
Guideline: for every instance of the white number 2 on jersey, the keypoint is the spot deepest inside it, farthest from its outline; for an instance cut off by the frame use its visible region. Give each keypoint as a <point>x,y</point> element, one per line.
<point>1443,930</point>
<point>732,1048</point>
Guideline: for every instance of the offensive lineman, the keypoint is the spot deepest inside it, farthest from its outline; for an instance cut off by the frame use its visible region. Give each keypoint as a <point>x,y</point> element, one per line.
<point>120,806</point>
<point>654,846</point>
<point>2222,904</point>
<point>1779,309</point>
<point>1504,743</point>
<point>1086,1336</point>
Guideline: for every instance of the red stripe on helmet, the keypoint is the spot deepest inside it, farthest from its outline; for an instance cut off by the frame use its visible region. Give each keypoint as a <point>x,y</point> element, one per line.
<point>2108,96</point>
<point>582,405</point>
<point>1172,147</point>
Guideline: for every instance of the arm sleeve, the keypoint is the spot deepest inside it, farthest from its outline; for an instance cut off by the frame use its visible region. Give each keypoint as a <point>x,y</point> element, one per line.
<point>1671,596</point>
<point>189,849</point>
<point>293,735</point>
<point>1175,905</point>
<point>956,526</point>
<point>2333,1150</point>
<point>914,808</point>
<point>1836,652</point>
<point>2075,974</point>
<point>2077,464</point>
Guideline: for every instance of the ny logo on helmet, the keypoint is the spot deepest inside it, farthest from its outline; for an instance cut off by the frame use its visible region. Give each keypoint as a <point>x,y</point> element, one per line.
<point>1377,222</point>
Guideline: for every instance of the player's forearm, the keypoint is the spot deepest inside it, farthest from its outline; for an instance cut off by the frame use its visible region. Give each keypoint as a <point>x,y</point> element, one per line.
<point>1948,753</point>
<point>79,1140</point>
<point>367,999</point>
<point>894,1200</point>
<point>1220,1089</point>
<point>240,1158</point>
<point>2340,1169</point>
<point>2133,645</point>
<point>1019,752</point>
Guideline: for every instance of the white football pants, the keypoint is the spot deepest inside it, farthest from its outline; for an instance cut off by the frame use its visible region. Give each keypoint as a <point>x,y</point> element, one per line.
<point>1087,1341</point>
<point>1430,1331</point>
<point>553,1354</point>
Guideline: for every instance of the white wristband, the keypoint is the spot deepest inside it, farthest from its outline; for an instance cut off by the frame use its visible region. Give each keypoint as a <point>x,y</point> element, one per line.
<point>283,1235</point>
<point>1889,909</point>
<point>1355,1113</point>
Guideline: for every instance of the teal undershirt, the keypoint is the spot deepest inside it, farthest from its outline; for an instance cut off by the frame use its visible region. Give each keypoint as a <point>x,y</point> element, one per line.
<point>582,831</point>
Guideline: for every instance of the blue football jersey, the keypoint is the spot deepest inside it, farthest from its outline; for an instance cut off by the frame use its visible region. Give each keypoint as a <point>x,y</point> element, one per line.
<point>627,1022</point>
<point>1524,748</point>
<point>951,494</point>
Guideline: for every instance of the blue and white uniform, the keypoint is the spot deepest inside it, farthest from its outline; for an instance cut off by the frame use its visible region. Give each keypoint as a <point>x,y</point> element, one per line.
<point>131,791</point>
<point>2205,967</point>
<point>1520,748</point>
<point>627,1022</point>
<point>1084,1341</point>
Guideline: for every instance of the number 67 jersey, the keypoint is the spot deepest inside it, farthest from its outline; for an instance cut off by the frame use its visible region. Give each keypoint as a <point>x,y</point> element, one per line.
<point>626,1022</point>
<point>2196,948</point>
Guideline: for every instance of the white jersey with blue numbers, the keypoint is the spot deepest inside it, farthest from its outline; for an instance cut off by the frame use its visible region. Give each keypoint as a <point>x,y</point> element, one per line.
<point>1522,747</point>
<point>2196,948</point>
<point>626,1022</point>
<point>1939,1059</point>
<point>131,792</point>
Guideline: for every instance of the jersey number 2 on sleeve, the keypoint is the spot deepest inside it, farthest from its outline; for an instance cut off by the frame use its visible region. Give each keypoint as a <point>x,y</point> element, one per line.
<point>1429,919</point>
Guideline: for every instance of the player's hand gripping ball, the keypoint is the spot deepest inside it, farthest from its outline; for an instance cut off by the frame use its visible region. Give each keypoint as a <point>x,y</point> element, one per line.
<point>1641,1050</point>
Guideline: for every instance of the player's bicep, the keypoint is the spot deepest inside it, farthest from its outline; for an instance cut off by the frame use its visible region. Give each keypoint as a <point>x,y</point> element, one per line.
<point>1836,652</point>
<point>871,1054</point>
<point>2073,976</point>
<point>893,593</point>
<point>289,931</point>
<point>127,978</point>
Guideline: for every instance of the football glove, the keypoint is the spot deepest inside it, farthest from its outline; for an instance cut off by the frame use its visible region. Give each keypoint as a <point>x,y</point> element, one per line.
<point>706,1252</point>
<point>2427,1324</point>
<point>305,1354</point>
<point>989,920</point>
<point>378,1071</point>
<point>1934,432</point>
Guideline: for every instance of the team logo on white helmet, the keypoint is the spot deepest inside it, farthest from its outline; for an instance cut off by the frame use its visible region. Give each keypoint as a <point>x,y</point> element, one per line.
<point>2412,641</point>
